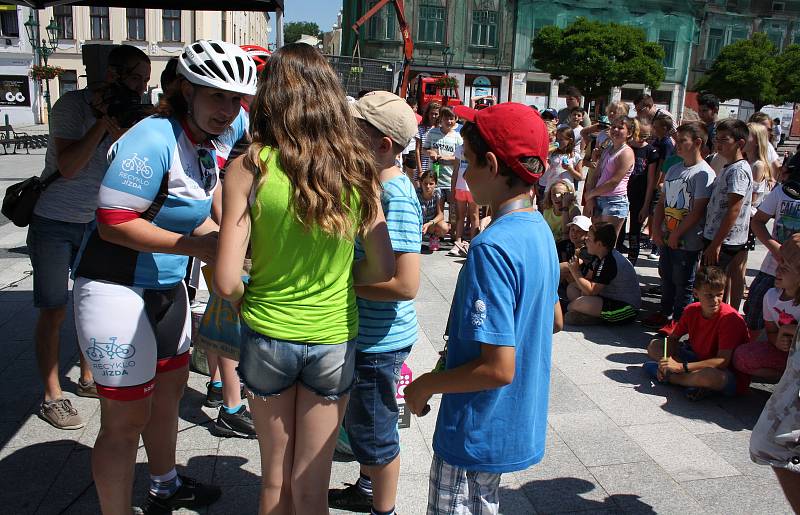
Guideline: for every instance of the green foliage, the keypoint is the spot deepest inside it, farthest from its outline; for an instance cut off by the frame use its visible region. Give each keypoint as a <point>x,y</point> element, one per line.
<point>787,76</point>
<point>747,70</point>
<point>293,30</point>
<point>596,56</point>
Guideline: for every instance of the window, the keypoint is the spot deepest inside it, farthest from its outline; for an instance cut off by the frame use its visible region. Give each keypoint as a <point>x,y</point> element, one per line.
<point>67,81</point>
<point>666,38</point>
<point>431,24</point>
<point>172,24</point>
<point>775,34</point>
<point>484,28</point>
<point>778,6</point>
<point>382,25</point>
<point>135,24</point>
<point>9,25</point>
<point>99,20</point>
<point>714,42</point>
<point>63,17</point>
<point>737,34</point>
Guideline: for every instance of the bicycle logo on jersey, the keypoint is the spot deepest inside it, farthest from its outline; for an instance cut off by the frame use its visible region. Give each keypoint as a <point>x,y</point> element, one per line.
<point>137,164</point>
<point>109,349</point>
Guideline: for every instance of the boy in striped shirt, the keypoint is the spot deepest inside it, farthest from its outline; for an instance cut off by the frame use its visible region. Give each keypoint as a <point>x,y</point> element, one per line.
<point>387,317</point>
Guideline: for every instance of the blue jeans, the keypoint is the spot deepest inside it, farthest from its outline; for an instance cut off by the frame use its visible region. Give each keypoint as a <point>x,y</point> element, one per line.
<point>676,268</point>
<point>372,412</point>
<point>53,246</point>
<point>268,366</point>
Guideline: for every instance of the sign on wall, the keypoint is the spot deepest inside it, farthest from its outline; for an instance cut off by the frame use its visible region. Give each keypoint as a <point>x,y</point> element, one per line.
<point>14,91</point>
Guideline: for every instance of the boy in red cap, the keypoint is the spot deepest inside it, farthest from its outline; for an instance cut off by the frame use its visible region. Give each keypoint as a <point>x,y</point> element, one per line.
<point>493,414</point>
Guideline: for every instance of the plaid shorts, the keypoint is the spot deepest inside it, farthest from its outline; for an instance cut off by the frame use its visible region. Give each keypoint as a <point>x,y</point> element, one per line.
<point>456,491</point>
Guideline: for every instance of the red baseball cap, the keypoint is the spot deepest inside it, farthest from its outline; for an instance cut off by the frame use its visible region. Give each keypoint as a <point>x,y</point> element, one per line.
<point>512,131</point>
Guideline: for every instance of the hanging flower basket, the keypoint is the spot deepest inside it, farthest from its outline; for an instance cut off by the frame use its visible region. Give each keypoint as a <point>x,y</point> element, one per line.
<point>447,82</point>
<point>45,72</point>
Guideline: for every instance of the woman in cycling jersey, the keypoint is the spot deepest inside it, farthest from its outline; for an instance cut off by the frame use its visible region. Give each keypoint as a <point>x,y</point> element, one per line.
<point>131,307</point>
<point>314,189</point>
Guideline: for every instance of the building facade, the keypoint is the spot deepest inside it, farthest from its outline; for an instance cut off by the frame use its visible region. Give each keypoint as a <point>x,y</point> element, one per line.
<point>477,34</point>
<point>160,33</point>
<point>18,99</point>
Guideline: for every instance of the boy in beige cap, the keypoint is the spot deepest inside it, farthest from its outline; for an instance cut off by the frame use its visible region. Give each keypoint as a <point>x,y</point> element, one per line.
<point>388,320</point>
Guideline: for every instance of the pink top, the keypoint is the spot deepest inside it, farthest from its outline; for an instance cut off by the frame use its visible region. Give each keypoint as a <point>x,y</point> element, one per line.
<point>608,164</point>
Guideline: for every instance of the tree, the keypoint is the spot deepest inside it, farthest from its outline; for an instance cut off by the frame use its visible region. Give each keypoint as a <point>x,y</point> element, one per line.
<point>595,56</point>
<point>293,30</point>
<point>748,70</point>
<point>787,76</point>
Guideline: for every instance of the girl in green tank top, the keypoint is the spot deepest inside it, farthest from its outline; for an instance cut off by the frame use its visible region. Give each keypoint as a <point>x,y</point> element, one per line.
<point>306,188</point>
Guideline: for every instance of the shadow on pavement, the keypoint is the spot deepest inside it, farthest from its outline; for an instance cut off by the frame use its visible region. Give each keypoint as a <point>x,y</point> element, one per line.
<point>563,495</point>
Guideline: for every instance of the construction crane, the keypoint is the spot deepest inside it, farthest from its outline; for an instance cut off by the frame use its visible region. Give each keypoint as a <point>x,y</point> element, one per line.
<point>441,89</point>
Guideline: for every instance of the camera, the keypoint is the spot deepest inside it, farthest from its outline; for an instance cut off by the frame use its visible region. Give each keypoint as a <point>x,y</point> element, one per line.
<point>125,105</point>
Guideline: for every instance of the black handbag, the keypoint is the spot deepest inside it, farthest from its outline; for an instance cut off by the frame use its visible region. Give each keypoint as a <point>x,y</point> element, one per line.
<point>21,198</point>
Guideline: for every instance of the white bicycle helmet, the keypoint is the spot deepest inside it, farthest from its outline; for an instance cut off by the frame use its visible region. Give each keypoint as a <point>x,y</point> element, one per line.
<point>220,65</point>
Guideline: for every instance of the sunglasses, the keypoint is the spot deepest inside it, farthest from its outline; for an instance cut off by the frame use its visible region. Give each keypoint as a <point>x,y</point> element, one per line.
<point>208,169</point>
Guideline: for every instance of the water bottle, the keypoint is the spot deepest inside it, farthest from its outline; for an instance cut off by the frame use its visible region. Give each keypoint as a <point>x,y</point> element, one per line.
<point>435,169</point>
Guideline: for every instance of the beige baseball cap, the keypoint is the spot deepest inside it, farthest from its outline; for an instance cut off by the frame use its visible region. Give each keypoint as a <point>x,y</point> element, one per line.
<point>388,113</point>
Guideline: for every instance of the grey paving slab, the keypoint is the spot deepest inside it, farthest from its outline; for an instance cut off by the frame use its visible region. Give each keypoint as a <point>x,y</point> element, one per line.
<point>683,455</point>
<point>624,405</point>
<point>745,495</point>
<point>655,491</point>
<point>33,469</point>
<point>596,439</point>
<point>697,417</point>
<point>733,448</point>
<point>238,463</point>
<point>566,397</point>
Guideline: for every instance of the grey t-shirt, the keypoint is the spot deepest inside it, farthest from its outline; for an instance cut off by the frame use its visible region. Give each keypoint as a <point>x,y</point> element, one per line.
<point>619,277</point>
<point>682,186</point>
<point>75,199</point>
<point>737,178</point>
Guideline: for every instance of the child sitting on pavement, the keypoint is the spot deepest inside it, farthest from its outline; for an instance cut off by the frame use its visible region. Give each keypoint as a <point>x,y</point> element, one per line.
<point>766,358</point>
<point>433,222</point>
<point>715,330</point>
<point>504,311</point>
<point>607,290</point>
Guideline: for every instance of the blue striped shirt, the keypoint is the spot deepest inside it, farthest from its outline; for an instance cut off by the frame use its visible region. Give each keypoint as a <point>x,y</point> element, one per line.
<point>390,326</point>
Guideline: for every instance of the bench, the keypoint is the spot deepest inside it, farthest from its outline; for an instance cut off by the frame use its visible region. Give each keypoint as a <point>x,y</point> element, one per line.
<point>14,139</point>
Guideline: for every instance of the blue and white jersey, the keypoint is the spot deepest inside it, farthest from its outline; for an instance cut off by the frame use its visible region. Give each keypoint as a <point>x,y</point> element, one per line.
<point>158,173</point>
<point>227,141</point>
<point>391,326</point>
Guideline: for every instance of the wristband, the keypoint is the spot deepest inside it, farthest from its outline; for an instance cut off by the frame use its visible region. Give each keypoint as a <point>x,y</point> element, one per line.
<point>686,367</point>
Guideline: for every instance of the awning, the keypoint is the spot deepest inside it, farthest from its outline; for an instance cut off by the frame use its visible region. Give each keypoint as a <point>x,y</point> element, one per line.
<point>188,5</point>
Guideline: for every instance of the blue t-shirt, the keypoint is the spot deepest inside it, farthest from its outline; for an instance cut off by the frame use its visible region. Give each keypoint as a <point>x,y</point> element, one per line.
<point>391,326</point>
<point>155,157</point>
<point>505,295</point>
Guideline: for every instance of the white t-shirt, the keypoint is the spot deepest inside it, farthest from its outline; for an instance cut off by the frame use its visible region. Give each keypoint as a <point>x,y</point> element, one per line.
<point>461,183</point>
<point>556,170</point>
<point>780,312</point>
<point>786,212</point>
<point>772,154</point>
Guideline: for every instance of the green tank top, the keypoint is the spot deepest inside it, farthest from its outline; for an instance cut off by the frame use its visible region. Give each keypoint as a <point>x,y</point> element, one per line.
<point>301,281</point>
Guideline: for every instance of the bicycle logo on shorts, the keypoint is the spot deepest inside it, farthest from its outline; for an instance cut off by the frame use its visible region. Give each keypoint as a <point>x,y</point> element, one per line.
<point>110,349</point>
<point>137,164</point>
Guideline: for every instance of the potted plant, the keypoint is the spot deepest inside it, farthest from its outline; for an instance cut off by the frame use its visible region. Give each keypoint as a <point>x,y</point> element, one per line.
<point>45,71</point>
<point>447,82</point>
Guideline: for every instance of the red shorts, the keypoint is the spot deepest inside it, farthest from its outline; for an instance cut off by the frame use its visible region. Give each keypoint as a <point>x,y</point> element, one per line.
<point>464,196</point>
<point>759,354</point>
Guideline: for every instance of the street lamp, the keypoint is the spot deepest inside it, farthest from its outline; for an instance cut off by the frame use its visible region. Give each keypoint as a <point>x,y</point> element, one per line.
<point>447,57</point>
<point>45,49</point>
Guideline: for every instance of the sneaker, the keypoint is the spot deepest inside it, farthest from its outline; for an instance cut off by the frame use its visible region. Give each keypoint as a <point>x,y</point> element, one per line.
<point>191,495</point>
<point>238,425</point>
<point>576,318</point>
<point>655,321</point>
<point>651,367</point>
<point>61,415</point>
<point>654,252</point>
<point>433,243</point>
<point>213,396</point>
<point>351,498</point>
<point>87,389</point>
<point>666,329</point>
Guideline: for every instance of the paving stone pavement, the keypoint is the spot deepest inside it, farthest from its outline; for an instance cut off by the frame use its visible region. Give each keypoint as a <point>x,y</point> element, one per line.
<point>616,442</point>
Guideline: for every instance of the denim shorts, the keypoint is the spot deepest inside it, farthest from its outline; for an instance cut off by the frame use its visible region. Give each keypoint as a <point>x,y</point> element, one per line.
<point>268,366</point>
<point>372,412</point>
<point>53,246</point>
<point>615,205</point>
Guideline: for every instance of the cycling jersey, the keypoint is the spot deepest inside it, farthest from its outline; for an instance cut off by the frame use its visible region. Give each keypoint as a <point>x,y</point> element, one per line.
<point>149,333</point>
<point>229,144</point>
<point>158,173</point>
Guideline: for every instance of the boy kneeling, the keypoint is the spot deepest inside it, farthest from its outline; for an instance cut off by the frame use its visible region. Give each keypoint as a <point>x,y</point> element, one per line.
<point>715,329</point>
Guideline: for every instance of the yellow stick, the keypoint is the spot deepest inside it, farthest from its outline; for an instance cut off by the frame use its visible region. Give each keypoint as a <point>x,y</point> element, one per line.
<point>665,348</point>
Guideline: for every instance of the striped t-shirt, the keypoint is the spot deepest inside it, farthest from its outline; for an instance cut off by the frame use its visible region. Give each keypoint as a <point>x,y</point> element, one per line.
<point>390,326</point>
<point>425,161</point>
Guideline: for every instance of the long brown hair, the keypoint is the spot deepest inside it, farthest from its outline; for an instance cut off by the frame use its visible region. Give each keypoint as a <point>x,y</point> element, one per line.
<point>301,110</point>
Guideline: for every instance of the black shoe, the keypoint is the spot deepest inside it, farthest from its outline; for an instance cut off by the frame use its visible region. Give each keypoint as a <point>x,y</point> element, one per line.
<point>213,396</point>
<point>351,498</point>
<point>239,424</point>
<point>190,495</point>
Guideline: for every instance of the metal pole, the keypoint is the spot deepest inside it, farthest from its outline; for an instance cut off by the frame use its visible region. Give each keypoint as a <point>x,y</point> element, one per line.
<point>278,28</point>
<point>47,83</point>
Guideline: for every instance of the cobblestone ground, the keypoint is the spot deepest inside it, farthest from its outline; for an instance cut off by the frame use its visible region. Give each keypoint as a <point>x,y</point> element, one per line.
<point>616,442</point>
